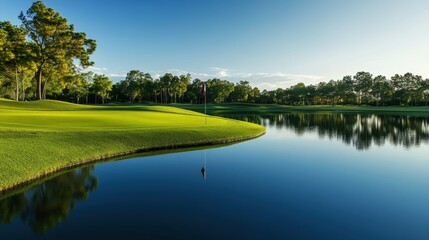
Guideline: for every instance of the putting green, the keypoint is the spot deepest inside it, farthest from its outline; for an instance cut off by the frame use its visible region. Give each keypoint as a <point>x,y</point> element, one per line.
<point>38,138</point>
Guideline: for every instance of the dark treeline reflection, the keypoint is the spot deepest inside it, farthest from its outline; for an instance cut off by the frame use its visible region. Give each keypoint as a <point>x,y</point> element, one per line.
<point>48,204</point>
<point>360,130</point>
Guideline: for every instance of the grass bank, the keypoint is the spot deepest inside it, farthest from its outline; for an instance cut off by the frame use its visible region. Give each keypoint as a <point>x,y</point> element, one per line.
<point>43,137</point>
<point>243,108</point>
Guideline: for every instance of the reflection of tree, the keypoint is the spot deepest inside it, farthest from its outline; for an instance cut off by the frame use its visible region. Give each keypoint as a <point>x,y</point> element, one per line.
<point>11,207</point>
<point>360,130</point>
<point>48,204</point>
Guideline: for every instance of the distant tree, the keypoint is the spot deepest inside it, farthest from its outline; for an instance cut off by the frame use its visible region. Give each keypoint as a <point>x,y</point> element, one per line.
<point>131,82</point>
<point>102,86</point>
<point>363,87</point>
<point>191,95</point>
<point>298,94</point>
<point>157,90</point>
<point>77,86</point>
<point>424,89</point>
<point>182,85</point>
<point>382,90</point>
<point>346,90</point>
<point>406,88</point>
<point>219,89</point>
<point>166,85</point>
<point>254,95</point>
<point>241,91</point>
<point>311,93</point>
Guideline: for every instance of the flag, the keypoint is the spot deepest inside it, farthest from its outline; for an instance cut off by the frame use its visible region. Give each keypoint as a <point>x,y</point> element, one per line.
<point>203,89</point>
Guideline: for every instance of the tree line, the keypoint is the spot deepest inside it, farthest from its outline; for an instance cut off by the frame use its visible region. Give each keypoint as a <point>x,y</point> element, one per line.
<point>45,57</point>
<point>361,89</point>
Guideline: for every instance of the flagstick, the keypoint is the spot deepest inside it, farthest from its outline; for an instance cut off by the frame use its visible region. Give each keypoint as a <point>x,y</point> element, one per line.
<point>205,104</point>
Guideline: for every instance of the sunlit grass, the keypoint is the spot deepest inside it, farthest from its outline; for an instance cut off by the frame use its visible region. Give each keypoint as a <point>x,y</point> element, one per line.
<point>44,136</point>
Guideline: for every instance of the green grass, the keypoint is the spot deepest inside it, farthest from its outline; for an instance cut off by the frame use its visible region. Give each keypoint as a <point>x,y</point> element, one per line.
<point>38,138</point>
<point>243,108</point>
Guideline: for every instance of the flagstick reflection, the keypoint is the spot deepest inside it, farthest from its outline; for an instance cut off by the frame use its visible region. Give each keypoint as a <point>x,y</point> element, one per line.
<point>204,169</point>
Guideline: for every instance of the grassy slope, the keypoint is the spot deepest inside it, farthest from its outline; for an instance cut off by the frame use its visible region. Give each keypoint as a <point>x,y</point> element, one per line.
<point>227,108</point>
<point>44,136</point>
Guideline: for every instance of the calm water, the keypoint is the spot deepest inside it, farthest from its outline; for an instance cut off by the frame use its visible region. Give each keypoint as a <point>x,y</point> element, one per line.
<point>312,176</point>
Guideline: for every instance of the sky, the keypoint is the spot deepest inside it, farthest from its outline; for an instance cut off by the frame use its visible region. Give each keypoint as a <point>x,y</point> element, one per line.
<point>269,43</point>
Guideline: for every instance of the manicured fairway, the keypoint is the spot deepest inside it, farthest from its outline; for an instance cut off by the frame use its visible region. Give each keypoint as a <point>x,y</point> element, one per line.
<point>41,137</point>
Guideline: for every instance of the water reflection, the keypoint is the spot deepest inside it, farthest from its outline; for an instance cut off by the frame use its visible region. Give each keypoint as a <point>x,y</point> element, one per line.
<point>48,204</point>
<point>204,168</point>
<point>359,130</point>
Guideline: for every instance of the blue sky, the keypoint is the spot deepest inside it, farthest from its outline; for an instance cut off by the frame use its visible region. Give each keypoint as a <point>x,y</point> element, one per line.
<point>269,43</point>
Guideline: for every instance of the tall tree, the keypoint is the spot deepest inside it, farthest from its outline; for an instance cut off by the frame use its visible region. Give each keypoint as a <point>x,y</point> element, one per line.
<point>56,42</point>
<point>14,54</point>
<point>134,81</point>
<point>184,81</point>
<point>102,86</point>
<point>241,91</point>
<point>346,90</point>
<point>219,89</point>
<point>382,90</point>
<point>166,83</point>
<point>363,86</point>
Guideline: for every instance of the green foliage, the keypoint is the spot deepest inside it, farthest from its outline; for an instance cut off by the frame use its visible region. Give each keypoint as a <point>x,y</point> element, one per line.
<point>102,86</point>
<point>219,90</point>
<point>56,44</point>
<point>15,58</point>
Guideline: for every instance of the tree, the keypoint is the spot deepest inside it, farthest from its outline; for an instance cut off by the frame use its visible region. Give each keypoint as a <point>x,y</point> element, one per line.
<point>191,95</point>
<point>424,89</point>
<point>55,42</point>
<point>14,54</point>
<point>77,87</point>
<point>346,90</point>
<point>241,91</point>
<point>184,81</point>
<point>382,89</point>
<point>135,83</point>
<point>298,93</point>
<point>406,87</point>
<point>102,86</point>
<point>166,83</point>
<point>219,89</point>
<point>363,86</point>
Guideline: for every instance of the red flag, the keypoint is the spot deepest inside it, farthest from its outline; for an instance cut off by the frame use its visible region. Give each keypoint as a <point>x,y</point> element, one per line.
<point>203,89</point>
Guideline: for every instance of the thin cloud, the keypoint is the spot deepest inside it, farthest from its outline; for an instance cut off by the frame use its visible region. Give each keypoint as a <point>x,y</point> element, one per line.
<point>116,75</point>
<point>103,71</point>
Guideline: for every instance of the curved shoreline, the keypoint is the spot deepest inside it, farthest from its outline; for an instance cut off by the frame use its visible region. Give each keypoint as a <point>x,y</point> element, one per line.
<point>76,164</point>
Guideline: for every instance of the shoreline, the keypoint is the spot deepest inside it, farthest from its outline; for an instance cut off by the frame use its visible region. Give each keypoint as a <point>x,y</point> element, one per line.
<point>79,163</point>
<point>256,108</point>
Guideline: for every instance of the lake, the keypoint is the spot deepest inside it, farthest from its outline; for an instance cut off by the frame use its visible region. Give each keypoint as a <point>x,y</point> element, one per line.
<point>311,176</point>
